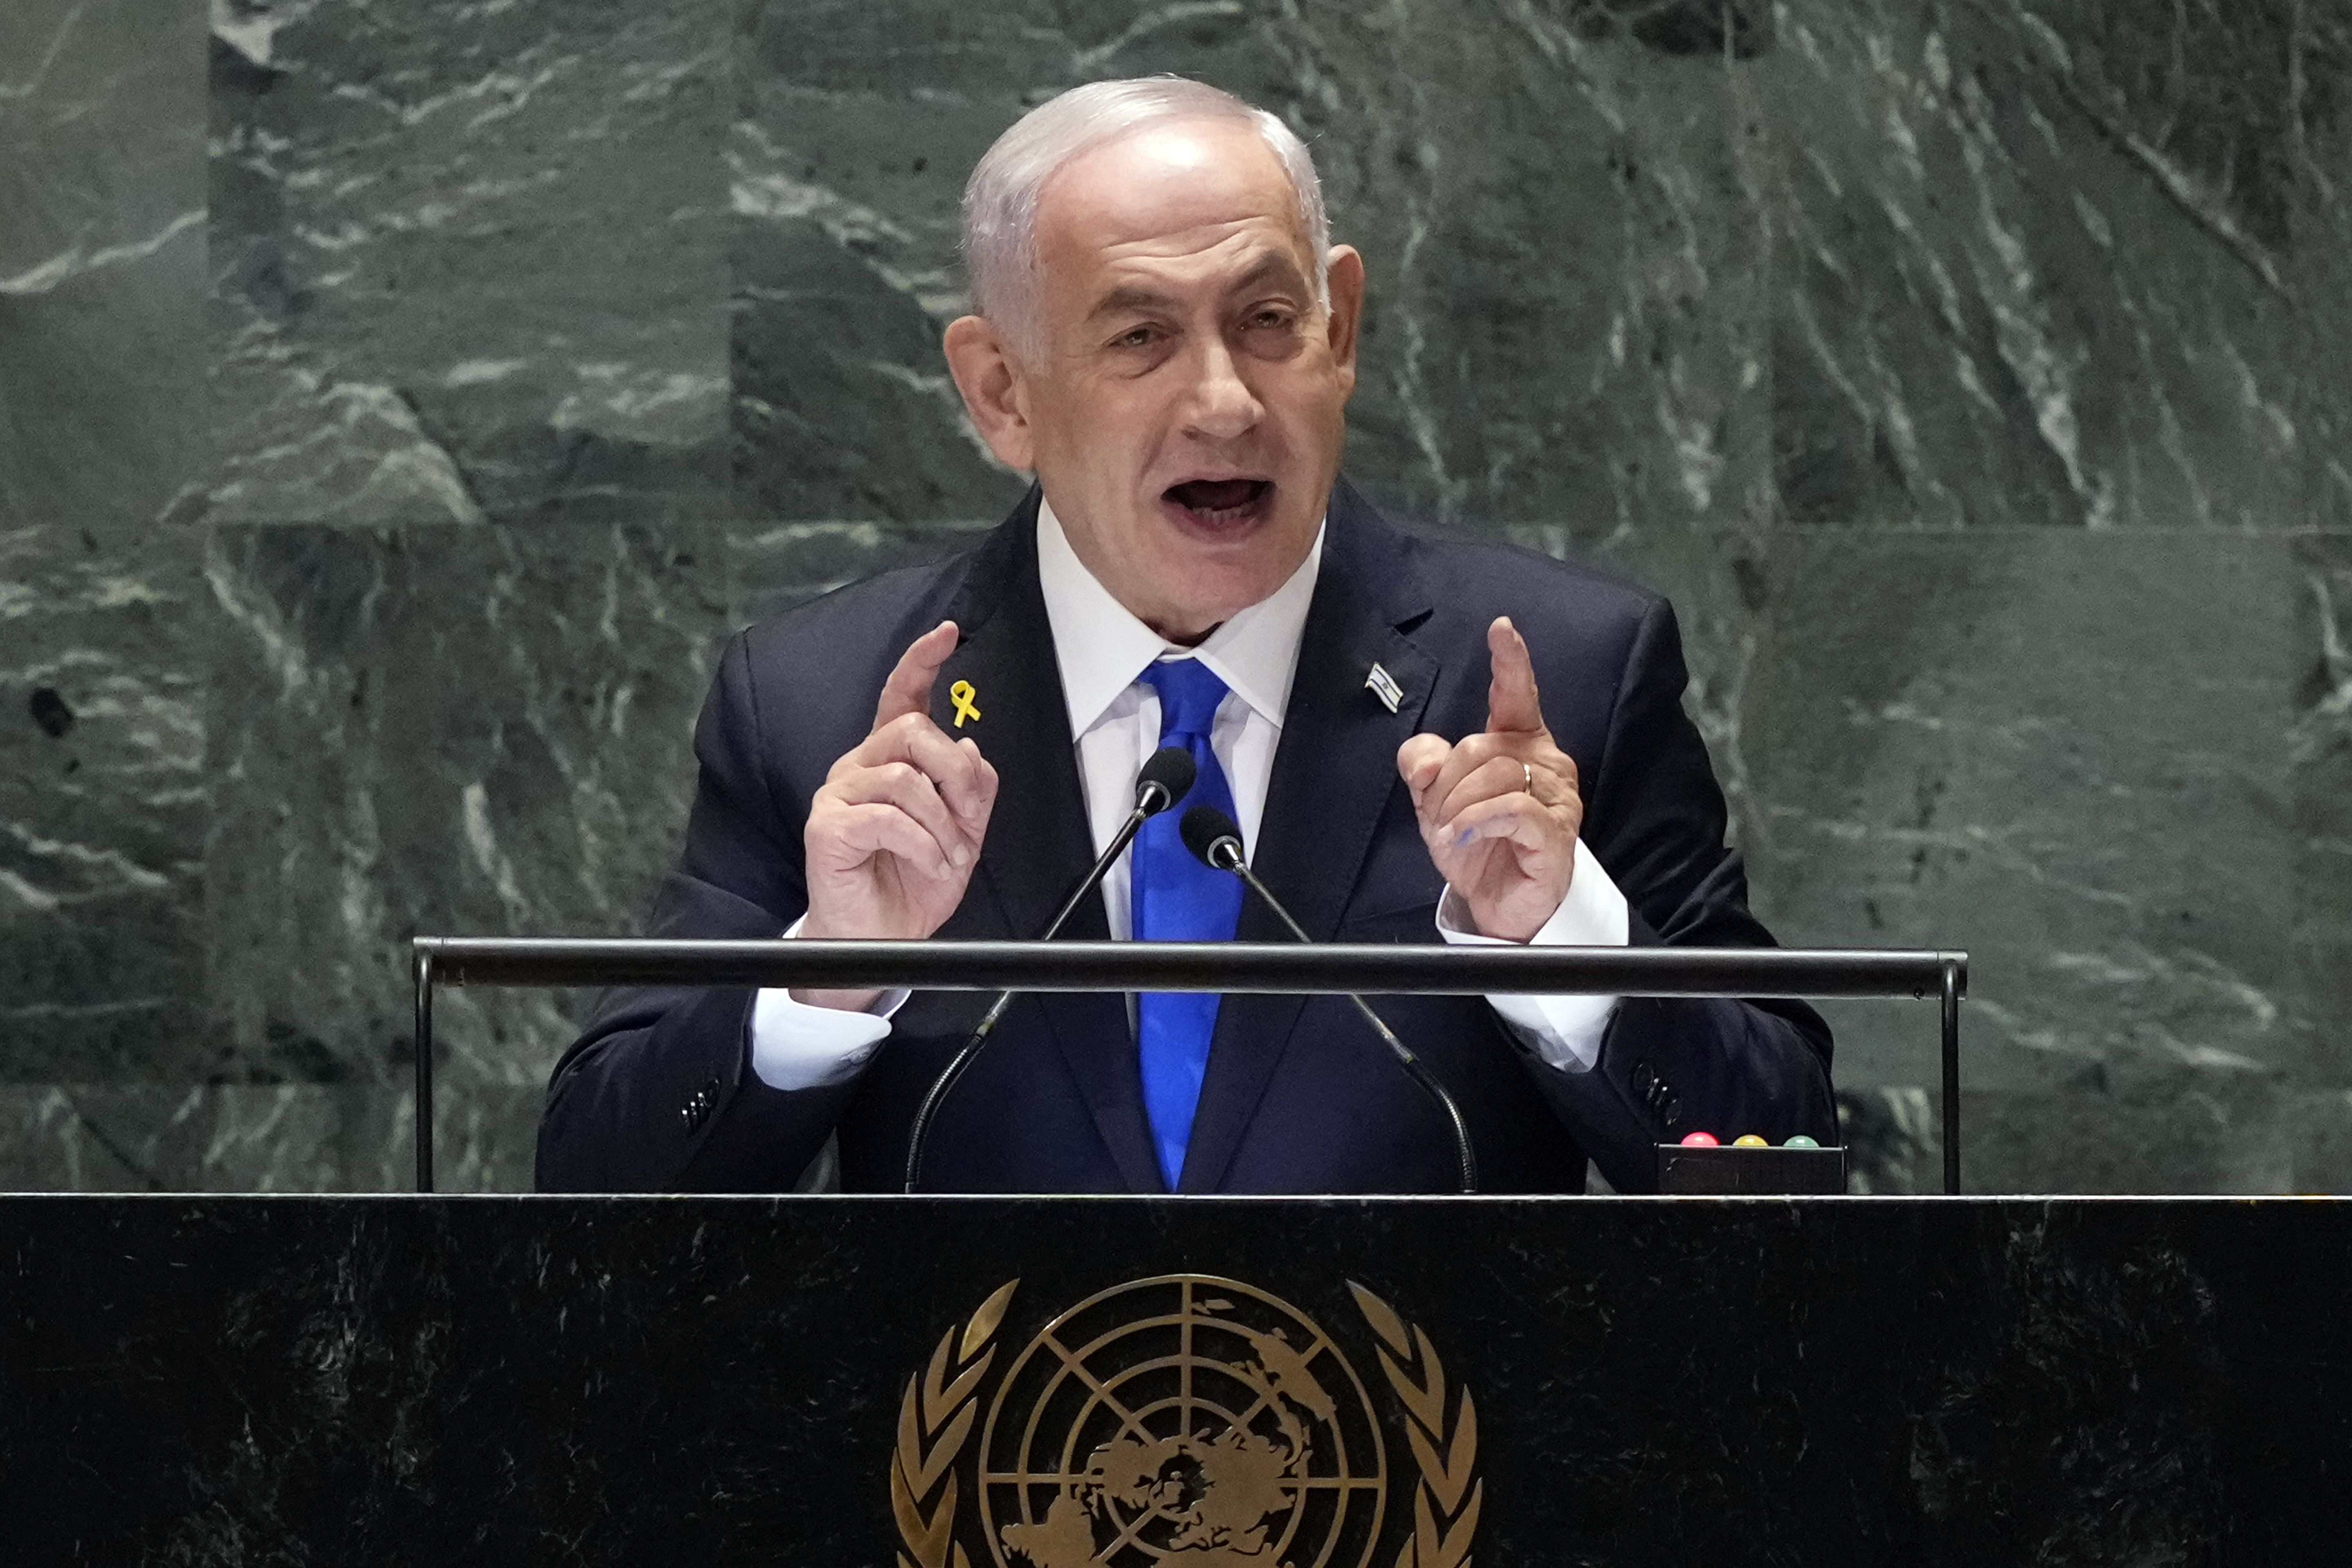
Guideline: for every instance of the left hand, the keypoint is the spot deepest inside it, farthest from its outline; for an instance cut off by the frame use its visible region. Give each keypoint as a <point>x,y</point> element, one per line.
<point>1499,810</point>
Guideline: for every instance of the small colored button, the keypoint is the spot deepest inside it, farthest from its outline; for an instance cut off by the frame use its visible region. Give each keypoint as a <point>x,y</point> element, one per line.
<point>1698,1141</point>
<point>1750,1140</point>
<point>1801,1142</point>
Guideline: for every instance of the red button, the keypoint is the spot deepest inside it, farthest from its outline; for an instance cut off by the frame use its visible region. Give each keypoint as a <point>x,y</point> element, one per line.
<point>1699,1140</point>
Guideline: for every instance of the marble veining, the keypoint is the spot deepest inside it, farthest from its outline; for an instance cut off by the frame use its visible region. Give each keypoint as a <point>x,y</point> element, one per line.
<point>399,407</point>
<point>467,262</point>
<point>103,794</point>
<point>2107,964</point>
<point>2010,308</point>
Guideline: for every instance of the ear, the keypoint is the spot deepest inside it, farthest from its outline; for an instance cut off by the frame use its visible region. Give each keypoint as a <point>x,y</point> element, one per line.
<point>1346,280</point>
<point>990,381</point>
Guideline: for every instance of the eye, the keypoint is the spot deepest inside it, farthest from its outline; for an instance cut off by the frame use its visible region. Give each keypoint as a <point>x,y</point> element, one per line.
<point>1136,338</point>
<point>1270,319</point>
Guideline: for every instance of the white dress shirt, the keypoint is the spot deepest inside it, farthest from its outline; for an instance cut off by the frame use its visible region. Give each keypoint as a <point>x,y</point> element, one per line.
<point>1103,649</point>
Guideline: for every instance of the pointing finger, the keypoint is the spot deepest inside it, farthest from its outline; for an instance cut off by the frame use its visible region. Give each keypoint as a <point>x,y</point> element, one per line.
<point>909,690</point>
<point>1512,705</point>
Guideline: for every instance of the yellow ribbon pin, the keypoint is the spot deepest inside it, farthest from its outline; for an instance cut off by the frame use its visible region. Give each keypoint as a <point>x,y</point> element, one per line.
<point>961,694</point>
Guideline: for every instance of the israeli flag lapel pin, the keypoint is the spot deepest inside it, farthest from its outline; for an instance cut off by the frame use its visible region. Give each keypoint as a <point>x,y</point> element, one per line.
<point>1384,685</point>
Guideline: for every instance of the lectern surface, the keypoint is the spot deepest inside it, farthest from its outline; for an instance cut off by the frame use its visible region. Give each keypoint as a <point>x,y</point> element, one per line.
<point>1039,1383</point>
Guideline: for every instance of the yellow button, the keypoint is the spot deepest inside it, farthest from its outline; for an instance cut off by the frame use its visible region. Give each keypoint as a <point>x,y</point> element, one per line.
<point>1750,1140</point>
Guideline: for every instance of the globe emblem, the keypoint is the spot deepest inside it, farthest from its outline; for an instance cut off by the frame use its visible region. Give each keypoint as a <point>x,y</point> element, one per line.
<point>1185,1420</point>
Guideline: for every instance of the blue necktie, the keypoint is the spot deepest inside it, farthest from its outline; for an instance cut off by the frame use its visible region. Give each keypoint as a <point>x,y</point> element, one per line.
<point>1177,898</point>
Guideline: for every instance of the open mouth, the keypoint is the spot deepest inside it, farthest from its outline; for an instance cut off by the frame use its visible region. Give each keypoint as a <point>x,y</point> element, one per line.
<point>1221,504</point>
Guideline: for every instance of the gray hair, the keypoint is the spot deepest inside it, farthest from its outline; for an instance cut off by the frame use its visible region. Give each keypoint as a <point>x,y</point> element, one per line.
<point>1000,203</point>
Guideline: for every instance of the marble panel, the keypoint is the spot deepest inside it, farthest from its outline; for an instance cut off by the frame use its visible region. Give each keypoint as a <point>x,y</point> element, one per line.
<point>2321,747</point>
<point>262,1138</point>
<point>2058,265</point>
<point>1894,1139</point>
<point>469,260</point>
<point>2321,1155</point>
<point>778,566</point>
<point>1566,305</point>
<point>104,808</point>
<point>101,261</point>
<point>2069,753</point>
<point>2176,1133</point>
<point>2321,761</point>
<point>101,608</point>
<point>460,731</point>
<point>2139,1130</point>
<point>123,1137</point>
<point>2070,282</point>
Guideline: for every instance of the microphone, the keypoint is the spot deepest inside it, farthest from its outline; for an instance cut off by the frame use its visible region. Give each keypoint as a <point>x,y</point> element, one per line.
<point>1215,841</point>
<point>1165,779</point>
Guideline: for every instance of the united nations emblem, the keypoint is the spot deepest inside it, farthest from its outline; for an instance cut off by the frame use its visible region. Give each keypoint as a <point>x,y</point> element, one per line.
<point>1186,1420</point>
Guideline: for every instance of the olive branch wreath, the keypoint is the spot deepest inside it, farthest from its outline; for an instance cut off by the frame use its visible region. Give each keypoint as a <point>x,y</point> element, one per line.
<point>936,1415</point>
<point>934,1421</point>
<point>1445,1504</point>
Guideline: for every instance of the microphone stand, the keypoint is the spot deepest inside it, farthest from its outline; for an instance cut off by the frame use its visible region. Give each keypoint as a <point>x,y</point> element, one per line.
<point>1224,852</point>
<point>1153,794</point>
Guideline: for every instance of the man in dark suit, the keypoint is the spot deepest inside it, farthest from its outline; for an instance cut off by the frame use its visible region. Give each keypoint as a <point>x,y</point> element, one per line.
<point>1166,338</point>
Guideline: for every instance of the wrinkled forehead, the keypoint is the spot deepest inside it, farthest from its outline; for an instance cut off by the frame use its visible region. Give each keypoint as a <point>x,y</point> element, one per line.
<point>1174,190</point>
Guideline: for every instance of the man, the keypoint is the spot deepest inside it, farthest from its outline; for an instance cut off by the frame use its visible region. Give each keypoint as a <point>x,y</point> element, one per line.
<point>1167,339</point>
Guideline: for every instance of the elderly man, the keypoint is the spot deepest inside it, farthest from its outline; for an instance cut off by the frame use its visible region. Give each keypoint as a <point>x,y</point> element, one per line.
<point>1420,741</point>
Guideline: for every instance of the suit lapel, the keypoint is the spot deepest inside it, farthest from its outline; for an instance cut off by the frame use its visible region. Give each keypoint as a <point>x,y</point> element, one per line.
<point>1038,844</point>
<point>1334,771</point>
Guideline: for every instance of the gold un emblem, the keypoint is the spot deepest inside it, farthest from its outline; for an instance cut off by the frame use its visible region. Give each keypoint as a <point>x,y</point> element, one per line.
<point>1187,1420</point>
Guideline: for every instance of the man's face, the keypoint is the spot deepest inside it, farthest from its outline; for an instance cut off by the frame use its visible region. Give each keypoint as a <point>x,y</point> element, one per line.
<point>1183,401</point>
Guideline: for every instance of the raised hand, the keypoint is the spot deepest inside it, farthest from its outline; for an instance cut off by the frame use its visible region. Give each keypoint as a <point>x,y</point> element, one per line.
<point>896,830</point>
<point>1499,810</point>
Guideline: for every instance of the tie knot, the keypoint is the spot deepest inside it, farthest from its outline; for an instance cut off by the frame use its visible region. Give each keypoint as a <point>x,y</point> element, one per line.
<point>1188,694</point>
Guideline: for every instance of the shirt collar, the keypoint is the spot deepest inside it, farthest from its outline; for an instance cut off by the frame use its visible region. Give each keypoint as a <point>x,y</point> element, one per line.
<point>1102,647</point>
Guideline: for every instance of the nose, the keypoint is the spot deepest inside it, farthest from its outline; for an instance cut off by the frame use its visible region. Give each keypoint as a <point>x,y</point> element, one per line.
<point>1223,408</point>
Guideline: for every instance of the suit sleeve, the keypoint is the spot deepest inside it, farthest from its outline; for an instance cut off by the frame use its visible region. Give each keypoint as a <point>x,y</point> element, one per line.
<point>1669,1066</point>
<point>657,1094</point>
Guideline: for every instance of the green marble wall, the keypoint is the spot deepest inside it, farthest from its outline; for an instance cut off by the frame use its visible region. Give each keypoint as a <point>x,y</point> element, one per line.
<point>398,405</point>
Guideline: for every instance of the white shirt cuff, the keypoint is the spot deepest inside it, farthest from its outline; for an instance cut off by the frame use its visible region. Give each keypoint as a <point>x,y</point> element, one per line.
<point>1564,1030</point>
<point>796,1045</point>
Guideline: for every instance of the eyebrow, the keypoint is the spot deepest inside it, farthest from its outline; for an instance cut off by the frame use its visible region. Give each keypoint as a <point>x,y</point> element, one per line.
<point>1134,296</point>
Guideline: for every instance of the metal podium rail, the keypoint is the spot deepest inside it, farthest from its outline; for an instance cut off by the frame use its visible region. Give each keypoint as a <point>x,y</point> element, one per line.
<point>1228,967</point>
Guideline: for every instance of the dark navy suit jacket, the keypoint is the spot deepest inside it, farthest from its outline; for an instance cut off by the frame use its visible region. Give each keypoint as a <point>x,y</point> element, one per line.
<point>1300,1098</point>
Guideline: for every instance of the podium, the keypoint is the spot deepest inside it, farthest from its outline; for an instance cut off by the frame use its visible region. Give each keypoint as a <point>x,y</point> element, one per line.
<point>1331,968</point>
<point>852,1381</point>
<point>1004,1383</point>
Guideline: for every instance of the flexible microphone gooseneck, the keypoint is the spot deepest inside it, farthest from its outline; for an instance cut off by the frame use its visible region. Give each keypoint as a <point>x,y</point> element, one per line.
<point>1165,779</point>
<point>1213,838</point>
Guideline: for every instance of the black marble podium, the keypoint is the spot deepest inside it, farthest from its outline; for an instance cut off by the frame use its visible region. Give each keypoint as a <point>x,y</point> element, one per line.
<point>848,1381</point>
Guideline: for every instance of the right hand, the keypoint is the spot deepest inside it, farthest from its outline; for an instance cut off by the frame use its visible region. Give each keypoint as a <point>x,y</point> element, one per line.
<point>894,833</point>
